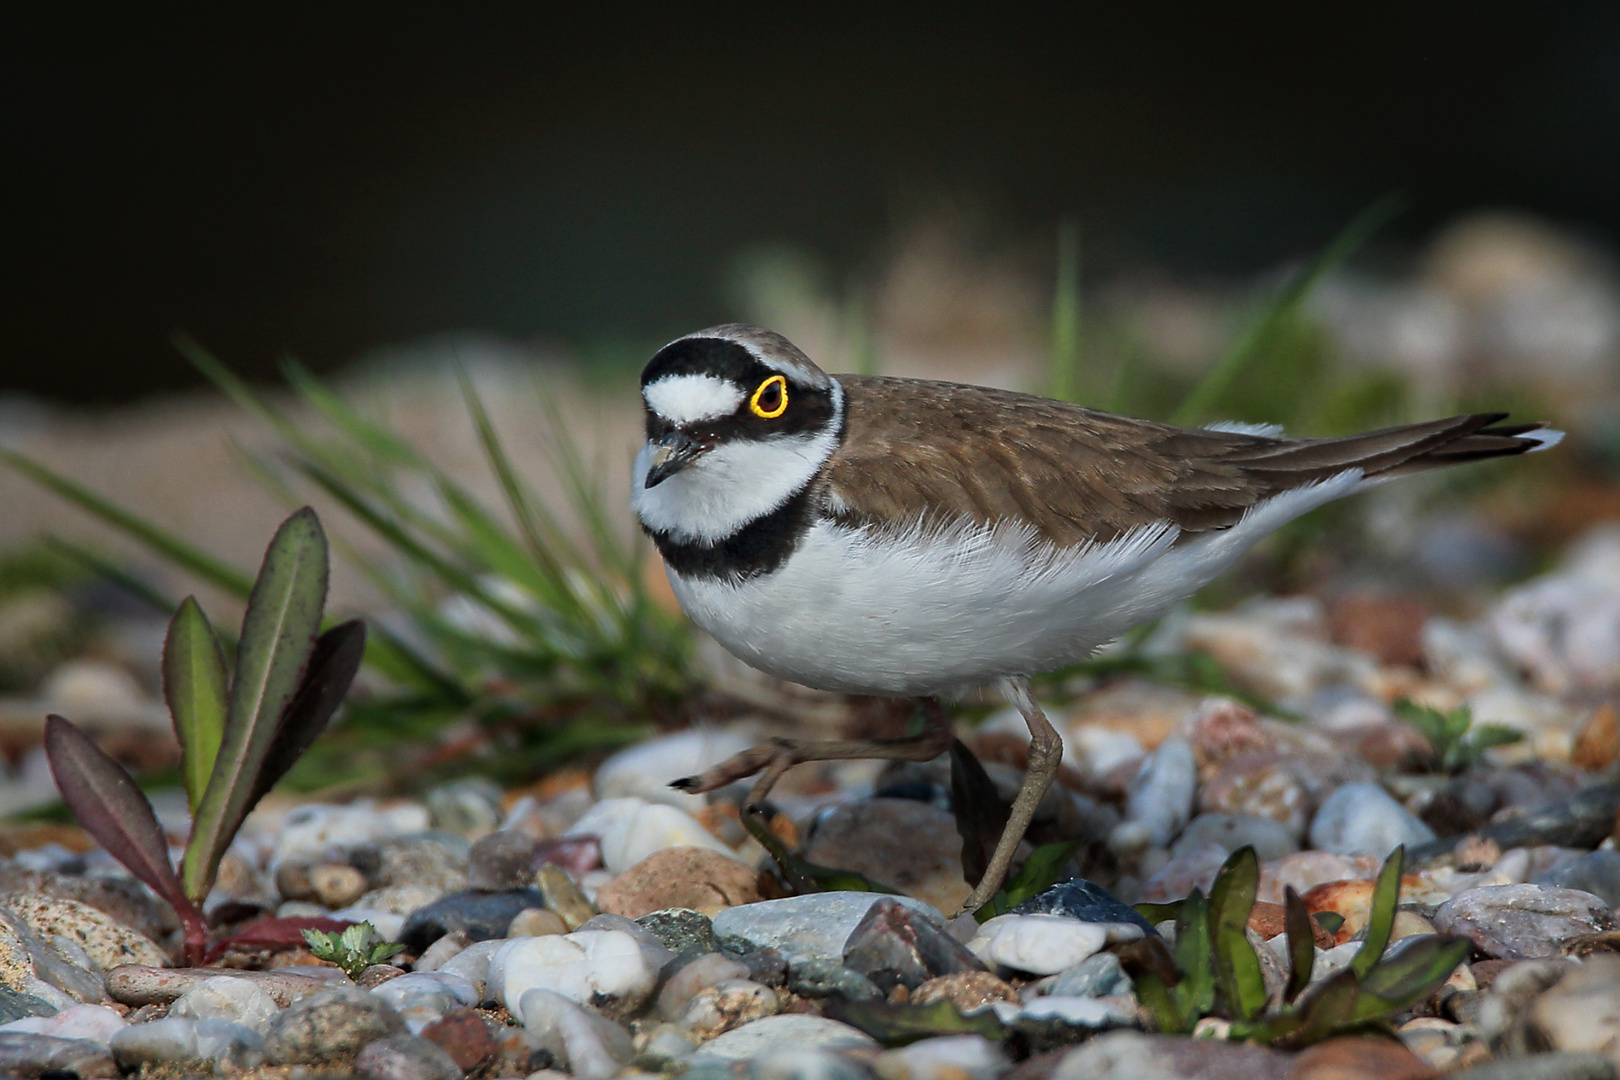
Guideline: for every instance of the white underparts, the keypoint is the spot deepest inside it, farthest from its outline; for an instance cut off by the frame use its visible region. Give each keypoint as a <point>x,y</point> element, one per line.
<point>692,399</point>
<point>737,482</point>
<point>930,610</point>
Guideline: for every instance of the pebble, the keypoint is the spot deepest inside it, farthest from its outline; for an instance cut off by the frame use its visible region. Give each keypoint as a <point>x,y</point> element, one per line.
<point>14,1005</point>
<point>328,1026</point>
<point>311,830</point>
<point>405,1057</point>
<point>1308,869</point>
<point>728,1005</point>
<point>681,877</point>
<point>702,972</point>
<point>646,769</point>
<point>631,828</point>
<point>77,1022</point>
<point>1040,944</point>
<point>227,997</point>
<point>420,998</point>
<point>470,806</point>
<point>501,861</point>
<point>1363,819</point>
<point>179,1040</point>
<point>789,1030</point>
<point>796,1063</point>
<point>479,915</point>
<point>1264,785</point>
<point>106,941</point>
<point>1582,1012</point>
<point>137,985</point>
<point>894,946</point>
<point>1194,867</point>
<point>1097,975</point>
<point>587,1044</point>
<point>399,899</point>
<point>587,966</point>
<point>125,899</point>
<point>465,1036</point>
<point>1080,899</point>
<point>472,963</point>
<point>678,929</point>
<point>535,922</point>
<point>24,1054</point>
<point>969,991</point>
<point>950,1057</point>
<point>1269,837</point>
<point>440,952</point>
<point>434,861</point>
<point>563,896</point>
<point>1131,1055</point>
<point>903,844</point>
<point>1161,794</point>
<point>336,885</point>
<point>813,925</point>
<point>1515,922</point>
<point>29,964</point>
<point>816,977</point>
<point>1596,872</point>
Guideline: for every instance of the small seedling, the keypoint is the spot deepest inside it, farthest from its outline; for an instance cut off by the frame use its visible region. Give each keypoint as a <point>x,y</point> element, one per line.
<point>354,949</point>
<point>1213,970</point>
<point>238,736</point>
<point>1458,742</point>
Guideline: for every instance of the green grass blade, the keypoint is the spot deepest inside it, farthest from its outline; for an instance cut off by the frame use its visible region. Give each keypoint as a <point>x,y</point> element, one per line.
<point>278,635</point>
<point>1237,968</point>
<point>1195,994</point>
<point>194,686</point>
<point>518,500</point>
<point>1213,386</point>
<point>1065,359</point>
<point>169,546</point>
<point>1381,920</point>
<point>1301,944</point>
<point>112,572</point>
<point>1415,969</point>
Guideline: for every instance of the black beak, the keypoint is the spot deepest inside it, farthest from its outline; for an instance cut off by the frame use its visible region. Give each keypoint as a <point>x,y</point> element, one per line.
<point>671,454</point>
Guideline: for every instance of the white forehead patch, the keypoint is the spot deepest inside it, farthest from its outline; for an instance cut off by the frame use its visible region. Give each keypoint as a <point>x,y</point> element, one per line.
<point>690,399</point>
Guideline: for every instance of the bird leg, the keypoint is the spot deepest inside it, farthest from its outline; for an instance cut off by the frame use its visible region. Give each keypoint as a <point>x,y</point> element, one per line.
<point>779,755</point>
<point>1045,755</point>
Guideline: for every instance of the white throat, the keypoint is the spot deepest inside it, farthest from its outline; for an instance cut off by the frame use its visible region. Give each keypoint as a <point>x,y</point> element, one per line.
<point>733,484</point>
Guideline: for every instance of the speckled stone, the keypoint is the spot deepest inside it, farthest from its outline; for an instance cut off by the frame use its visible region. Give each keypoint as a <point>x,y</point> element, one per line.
<point>1516,922</point>
<point>105,941</point>
<point>329,1026</point>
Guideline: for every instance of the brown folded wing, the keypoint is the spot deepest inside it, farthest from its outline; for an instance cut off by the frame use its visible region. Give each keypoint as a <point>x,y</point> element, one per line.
<point>1077,474</point>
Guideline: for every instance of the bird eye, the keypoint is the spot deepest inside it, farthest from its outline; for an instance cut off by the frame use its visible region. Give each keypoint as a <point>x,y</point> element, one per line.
<point>770,400</point>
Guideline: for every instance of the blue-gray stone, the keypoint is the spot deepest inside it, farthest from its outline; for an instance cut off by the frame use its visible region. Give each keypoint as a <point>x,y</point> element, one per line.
<point>1098,975</point>
<point>1596,872</point>
<point>821,977</point>
<point>813,925</point>
<point>26,1054</point>
<point>1080,899</point>
<point>14,1005</point>
<point>894,946</point>
<point>480,915</point>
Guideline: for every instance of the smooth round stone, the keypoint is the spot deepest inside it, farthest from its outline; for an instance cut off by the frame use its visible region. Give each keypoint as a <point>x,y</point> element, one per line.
<point>1097,975</point>
<point>679,929</point>
<point>419,998</point>
<point>186,1039</point>
<point>584,966</point>
<point>436,861</point>
<point>1515,922</point>
<point>405,1057</point>
<point>309,831</point>
<point>502,861</point>
<point>328,1027</point>
<point>790,1030</point>
<point>705,971</point>
<point>14,1005</point>
<point>238,1001</point>
<point>728,1005</point>
<point>587,1044</point>
<point>1597,872</point>
<point>630,829</point>
<point>436,955</point>
<point>1038,944</point>
<point>480,916</point>
<point>1269,838</point>
<point>949,1057</point>
<point>23,1053</point>
<point>1362,818</point>
<point>1161,795</point>
<point>905,844</point>
<point>472,963</point>
<point>470,806</point>
<point>96,1022</point>
<point>814,925</point>
<point>388,925</point>
<point>797,1063</point>
<point>1080,899</point>
<point>646,769</point>
<point>1086,1012</point>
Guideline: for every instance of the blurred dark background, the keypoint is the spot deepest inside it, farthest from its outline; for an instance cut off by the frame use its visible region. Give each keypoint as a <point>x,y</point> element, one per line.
<point>331,179</point>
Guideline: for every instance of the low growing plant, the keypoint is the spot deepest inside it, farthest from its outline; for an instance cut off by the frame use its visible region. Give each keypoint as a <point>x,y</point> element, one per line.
<point>238,735</point>
<point>1457,741</point>
<point>353,949</point>
<point>1213,970</point>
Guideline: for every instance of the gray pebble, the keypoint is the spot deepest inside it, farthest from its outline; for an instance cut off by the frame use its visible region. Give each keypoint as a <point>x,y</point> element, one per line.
<point>819,977</point>
<point>405,1057</point>
<point>813,925</point>
<point>183,1039</point>
<point>327,1026</point>
<point>29,1055</point>
<point>678,929</point>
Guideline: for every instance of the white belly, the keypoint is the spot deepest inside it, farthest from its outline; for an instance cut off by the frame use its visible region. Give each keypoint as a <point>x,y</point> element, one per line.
<point>933,611</point>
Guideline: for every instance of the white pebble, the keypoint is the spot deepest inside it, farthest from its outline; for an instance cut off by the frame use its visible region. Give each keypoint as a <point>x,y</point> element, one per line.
<point>632,829</point>
<point>579,966</point>
<point>94,1022</point>
<point>948,1057</point>
<point>646,769</point>
<point>227,997</point>
<point>309,830</point>
<point>1161,795</point>
<point>588,1044</point>
<point>1362,818</point>
<point>1038,944</point>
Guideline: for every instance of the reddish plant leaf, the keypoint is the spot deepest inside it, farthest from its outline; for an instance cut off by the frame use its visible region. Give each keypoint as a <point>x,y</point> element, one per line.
<point>276,934</point>
<point>332,667</point>
<point>105,799</point>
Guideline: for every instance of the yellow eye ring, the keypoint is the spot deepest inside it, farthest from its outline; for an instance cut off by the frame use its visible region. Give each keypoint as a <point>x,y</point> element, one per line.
<point>781,403</point>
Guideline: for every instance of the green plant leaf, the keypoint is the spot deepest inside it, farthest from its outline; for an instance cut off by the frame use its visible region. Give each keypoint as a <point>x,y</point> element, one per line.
<point>897,1025</point>
<point>1329,921</point>
<point>194,686</point>
<point>1158,913</point>
<point>1485,736</point>
<point>1155,976</point>
<point>1415,968</point>
<point>1381,919</point>
<point>1237,968</point>
<point>1195,993</point>
<point>333,664</point>
<point>1327,1010</point>
<point>1301,943</point>
<point>278,636</point>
